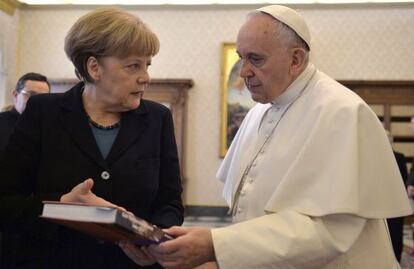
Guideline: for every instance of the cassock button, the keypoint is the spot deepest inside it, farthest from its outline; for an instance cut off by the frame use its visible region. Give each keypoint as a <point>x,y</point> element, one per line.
<point>105,175</point>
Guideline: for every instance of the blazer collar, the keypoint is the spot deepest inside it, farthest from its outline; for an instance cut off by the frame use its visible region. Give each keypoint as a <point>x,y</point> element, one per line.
<point>74,120</point>
<point>133,124</point>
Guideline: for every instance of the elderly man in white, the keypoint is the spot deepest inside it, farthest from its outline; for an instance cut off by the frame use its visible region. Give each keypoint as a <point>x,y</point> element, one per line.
<point>310,175</point>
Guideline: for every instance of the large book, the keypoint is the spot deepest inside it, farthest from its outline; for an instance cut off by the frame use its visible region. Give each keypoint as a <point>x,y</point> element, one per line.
<point>104,223</point>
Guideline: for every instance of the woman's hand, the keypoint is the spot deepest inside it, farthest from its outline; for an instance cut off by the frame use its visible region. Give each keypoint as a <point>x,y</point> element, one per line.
<point>82,193</point>
<point>139,254</point>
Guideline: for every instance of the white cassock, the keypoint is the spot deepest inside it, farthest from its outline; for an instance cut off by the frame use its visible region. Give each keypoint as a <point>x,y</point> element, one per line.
<point>316,194</point>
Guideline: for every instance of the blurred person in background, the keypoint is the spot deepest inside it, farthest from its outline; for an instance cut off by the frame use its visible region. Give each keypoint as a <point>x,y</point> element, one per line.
<point>28,85</point>
<point>410,179</point>
<point>396,225</point>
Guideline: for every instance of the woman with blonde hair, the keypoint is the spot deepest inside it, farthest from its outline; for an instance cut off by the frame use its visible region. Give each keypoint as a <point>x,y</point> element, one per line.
<point>99,143</point>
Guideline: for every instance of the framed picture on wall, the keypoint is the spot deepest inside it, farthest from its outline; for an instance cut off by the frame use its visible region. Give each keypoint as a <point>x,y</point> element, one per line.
<point>236,100</point>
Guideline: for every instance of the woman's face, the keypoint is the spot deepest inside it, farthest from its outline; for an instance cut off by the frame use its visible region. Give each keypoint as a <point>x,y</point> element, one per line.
<point>121,82</point>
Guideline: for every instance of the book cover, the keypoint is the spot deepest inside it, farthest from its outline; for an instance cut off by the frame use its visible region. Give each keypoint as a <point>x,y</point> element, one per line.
<point>104,223</point>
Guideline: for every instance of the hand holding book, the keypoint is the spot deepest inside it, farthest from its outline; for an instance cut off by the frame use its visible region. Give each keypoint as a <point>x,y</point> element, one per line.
<point>82,193</point>
<point>82,210</point>
<point>106,223</point>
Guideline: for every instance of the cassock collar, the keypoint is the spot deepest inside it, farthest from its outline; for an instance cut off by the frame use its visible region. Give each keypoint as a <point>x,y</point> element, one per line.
<point>295,88</point>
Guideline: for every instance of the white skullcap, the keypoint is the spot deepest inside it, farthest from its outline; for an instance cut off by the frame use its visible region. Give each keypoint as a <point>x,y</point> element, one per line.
<point>291,18</point>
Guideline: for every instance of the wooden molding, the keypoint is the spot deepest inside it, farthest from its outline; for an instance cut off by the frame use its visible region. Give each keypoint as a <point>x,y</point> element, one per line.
<point>383,92</point>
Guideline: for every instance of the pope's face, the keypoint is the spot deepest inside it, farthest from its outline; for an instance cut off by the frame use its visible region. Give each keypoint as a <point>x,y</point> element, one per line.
<point>122,81</point>
<point>265,62</point>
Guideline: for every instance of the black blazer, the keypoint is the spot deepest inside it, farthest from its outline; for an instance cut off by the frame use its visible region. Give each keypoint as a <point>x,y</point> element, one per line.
<point>7,121</point>
<point>53,149</point>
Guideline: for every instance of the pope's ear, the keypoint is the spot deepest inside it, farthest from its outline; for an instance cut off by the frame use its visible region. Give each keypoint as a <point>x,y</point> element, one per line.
<point>298,60</point>
<point>92,67</point>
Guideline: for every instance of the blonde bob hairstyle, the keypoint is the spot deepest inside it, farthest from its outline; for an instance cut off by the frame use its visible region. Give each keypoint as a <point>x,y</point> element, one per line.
<point>108,32</point>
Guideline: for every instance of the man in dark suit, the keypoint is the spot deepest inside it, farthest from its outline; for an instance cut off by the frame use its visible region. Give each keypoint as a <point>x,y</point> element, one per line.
<point>28,85</point>
<point>410,179</point>
<point>396,225</point>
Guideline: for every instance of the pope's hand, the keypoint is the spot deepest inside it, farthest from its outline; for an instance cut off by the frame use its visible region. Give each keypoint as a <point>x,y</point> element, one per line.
<point>191,247</point>
<point>139,254</point>
<point>82,193</point>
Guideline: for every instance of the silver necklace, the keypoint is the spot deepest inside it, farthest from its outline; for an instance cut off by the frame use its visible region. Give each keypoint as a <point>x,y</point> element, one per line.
<point>94,123</point>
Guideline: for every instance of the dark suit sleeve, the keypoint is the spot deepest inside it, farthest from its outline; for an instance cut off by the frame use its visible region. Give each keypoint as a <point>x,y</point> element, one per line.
<point>167,207</point>
<point>19,205</point>
<point>402,165</point>
<point>410,179</point>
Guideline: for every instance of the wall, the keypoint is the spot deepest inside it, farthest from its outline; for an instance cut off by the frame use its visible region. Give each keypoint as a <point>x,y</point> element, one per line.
<point>8,52</point>
<point>368,42</point>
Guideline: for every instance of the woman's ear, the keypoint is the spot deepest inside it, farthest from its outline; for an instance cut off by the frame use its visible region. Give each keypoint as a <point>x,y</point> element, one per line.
<point>299,59</point>
<point>93,69</point>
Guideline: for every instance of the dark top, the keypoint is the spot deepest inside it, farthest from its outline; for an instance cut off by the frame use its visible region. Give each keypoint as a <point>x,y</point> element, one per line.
<point>53,149</point>
<point>104,139</point>
<point>7,121</point>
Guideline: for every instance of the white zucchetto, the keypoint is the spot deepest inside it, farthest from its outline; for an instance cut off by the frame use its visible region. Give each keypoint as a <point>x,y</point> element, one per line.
<point>291,18</point>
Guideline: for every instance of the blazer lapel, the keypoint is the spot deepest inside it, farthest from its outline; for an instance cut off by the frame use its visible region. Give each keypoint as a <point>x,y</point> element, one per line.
<point>76,124</point>
<point>133,123</point>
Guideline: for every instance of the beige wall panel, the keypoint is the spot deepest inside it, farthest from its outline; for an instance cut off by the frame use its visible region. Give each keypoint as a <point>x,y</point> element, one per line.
<point>406,148</point>
<point>378,109</point>
<point>402,110</point>
<point>8,46</point>
<point>401,128</point>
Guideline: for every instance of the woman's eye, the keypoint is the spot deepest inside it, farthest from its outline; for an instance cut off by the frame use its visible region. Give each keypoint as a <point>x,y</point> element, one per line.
<point>132,67</point>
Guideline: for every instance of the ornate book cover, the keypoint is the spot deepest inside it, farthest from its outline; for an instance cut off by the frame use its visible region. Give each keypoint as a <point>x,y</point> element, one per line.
<point>105,223</point>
